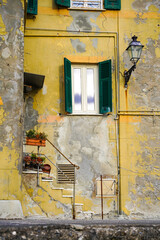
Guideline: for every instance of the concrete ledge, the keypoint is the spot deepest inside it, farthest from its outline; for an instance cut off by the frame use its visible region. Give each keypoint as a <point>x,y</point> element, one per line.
<point>10,209</point>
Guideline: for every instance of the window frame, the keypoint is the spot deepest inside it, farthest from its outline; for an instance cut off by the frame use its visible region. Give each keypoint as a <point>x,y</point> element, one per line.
<point>86,5</point>
<point>83,72</point>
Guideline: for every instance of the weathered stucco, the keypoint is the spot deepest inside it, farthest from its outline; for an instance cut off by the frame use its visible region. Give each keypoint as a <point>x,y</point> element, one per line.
<point>129,136</point>
<point>11,95</point>
<point>92,141</point>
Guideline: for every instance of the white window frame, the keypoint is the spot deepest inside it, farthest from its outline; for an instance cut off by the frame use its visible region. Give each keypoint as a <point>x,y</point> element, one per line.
<point>83,68</point>
<point>86,4</point>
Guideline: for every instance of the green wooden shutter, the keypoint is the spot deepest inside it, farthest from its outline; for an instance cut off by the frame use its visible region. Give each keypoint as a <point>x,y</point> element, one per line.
<point>105,87</point>
<point>112,4</point>
<point>64,3</point>
<point>68,85</point>
<point>32,7</point>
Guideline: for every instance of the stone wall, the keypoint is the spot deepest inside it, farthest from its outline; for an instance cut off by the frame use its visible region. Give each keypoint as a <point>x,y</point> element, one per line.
<point>81,232</point>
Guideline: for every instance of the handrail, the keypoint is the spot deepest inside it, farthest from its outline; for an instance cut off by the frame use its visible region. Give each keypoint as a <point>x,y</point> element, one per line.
<point>57,168</point>
<point>69,180</point>
<point>62,154</point>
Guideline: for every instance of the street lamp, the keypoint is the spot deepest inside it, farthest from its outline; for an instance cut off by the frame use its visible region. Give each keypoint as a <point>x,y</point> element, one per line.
<point>134,50</point>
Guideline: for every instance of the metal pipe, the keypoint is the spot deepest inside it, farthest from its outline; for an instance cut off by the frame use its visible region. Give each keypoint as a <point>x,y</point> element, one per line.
<point>101,197</point>
<point>38,176</point>
<point>64,30</point>
<point>139,114</point>
<point>128,111</point>
<point>58,168</point>
<point>64,35</point>
<point>74,191</point>
<point>62,154</point>
<point>117,122</point>
<point>38,170</point>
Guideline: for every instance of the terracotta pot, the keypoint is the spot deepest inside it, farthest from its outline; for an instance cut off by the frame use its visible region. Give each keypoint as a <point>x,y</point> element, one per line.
<point>35,142</point>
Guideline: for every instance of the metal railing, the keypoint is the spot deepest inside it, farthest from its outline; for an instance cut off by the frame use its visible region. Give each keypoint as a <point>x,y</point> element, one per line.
<point>70,180</point>
<point>75,166</point>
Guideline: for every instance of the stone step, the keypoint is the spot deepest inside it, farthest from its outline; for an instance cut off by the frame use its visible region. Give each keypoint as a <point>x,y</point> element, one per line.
<point>78,207</point>
<point>84,215</point>
<point>67,191</point>
<point>67,196</point>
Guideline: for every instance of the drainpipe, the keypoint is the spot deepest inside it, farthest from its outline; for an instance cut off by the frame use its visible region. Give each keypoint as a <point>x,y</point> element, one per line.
<point>117,122</point>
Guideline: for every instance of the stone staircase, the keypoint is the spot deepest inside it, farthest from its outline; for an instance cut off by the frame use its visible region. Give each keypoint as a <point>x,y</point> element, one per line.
<point>54,200</point>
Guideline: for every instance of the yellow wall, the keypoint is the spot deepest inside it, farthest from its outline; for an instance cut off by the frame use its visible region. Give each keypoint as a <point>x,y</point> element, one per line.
<point>48,39</point>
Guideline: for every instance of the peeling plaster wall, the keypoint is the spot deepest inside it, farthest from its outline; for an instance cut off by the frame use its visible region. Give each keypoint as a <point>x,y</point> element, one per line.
<point>139,134</point>
<point>11,98</point>
<point>88,141</point>
<point>91,141</point>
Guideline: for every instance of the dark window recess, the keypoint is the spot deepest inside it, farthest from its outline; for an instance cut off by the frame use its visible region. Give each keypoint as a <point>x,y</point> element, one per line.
<point>63,3</point>
<point>32,81</point>
<point>32,7</point>
<point>112,4</point>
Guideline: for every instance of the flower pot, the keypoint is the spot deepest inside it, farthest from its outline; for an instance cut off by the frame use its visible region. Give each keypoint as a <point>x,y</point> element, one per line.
<point>46,168</point>
<point>36,142</point>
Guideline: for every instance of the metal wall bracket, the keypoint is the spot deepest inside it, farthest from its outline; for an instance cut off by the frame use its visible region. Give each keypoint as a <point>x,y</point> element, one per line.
<point>127,74</point>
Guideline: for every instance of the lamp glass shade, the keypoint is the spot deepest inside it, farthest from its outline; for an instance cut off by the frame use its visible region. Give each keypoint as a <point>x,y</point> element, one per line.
<point>134,50</point>
<point>135,53</point>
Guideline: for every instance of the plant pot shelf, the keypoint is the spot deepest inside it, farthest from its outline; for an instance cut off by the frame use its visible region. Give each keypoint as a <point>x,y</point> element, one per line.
<point>35,142</point>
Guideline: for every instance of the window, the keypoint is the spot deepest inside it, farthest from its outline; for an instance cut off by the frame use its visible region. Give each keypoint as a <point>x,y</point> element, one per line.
<point>85,89</point>
<point>97,4</point>
<point>93,4</point>
<point>88,88</point>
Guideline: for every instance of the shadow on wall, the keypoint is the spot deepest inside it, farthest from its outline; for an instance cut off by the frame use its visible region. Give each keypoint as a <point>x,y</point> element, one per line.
<point>30,114</point>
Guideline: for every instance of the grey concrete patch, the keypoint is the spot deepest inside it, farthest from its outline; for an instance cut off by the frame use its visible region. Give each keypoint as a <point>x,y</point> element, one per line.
<point>78,45</point>
<point>10,209</point>
<point>143,5</point>
<point>82,21</point>
<point>95,42</point>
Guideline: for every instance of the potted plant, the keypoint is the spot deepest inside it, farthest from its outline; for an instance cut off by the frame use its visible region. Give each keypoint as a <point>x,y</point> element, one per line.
<point>35,138</point>
<point>33,160</point>
<point>27,159</point>
<point>40,160</point>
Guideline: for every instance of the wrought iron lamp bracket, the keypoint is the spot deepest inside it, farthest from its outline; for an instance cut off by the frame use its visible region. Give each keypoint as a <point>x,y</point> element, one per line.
<point>127,74</point>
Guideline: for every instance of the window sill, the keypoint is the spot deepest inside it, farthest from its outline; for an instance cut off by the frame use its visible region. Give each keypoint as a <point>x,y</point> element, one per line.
<point>87,9</point>
<point>87,114</point>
